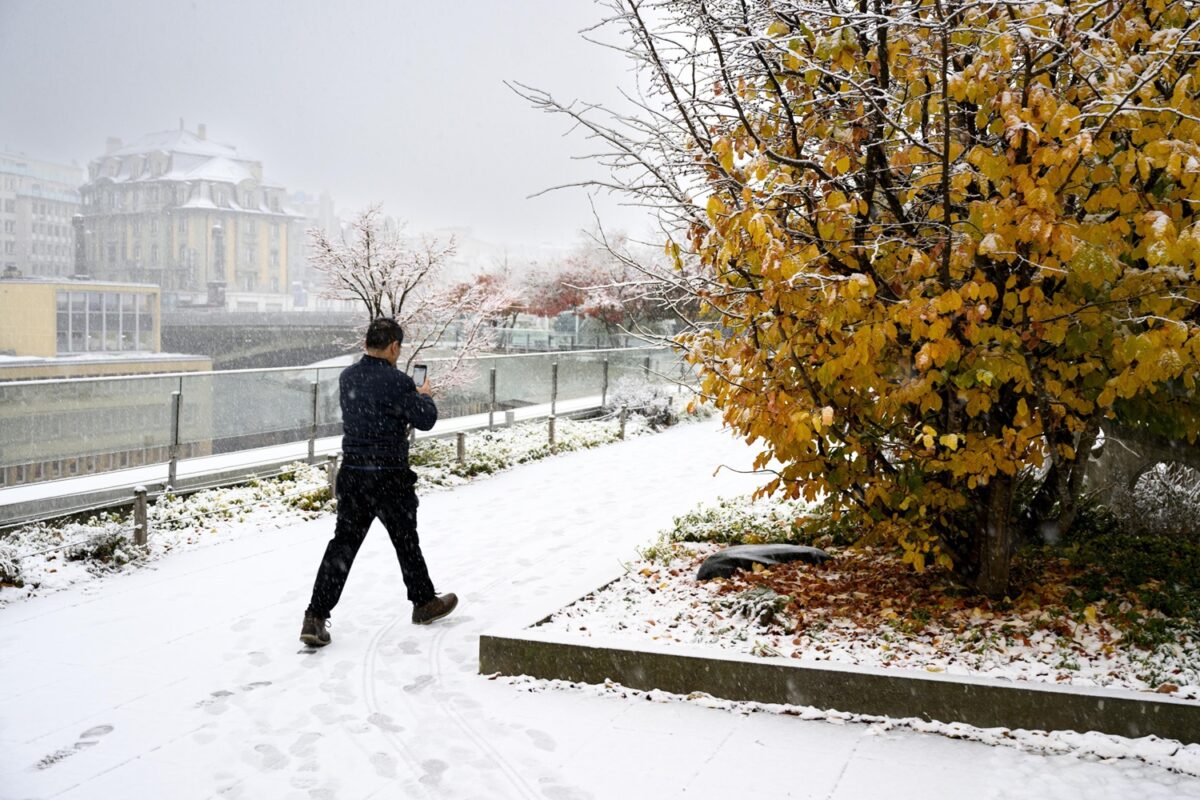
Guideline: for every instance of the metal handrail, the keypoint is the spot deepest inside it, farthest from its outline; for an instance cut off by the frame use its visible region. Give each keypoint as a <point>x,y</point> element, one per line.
<point>300,368</point>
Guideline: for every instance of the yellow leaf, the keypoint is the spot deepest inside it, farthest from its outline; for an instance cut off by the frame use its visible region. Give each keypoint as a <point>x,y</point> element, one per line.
<point>949,440</point>
<point>989,245</point>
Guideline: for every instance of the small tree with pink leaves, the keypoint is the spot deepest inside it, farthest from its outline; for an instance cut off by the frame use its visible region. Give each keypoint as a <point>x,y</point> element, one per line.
<point>394,276</point>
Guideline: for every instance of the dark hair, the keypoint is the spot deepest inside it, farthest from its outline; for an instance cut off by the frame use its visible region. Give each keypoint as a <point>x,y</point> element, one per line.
<point>382,332</point>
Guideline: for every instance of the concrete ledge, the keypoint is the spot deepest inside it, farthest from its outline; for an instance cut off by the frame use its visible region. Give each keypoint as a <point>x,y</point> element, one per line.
<point>985,703</point>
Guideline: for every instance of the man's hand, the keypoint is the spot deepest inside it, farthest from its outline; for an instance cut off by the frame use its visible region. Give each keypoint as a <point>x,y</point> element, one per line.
<point>425,388</point>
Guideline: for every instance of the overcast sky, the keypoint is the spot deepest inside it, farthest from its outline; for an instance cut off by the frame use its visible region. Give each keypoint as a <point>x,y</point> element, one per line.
<point>398,101</point>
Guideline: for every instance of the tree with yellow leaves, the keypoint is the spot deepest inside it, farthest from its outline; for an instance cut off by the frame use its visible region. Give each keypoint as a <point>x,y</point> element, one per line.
<point>944,242</point>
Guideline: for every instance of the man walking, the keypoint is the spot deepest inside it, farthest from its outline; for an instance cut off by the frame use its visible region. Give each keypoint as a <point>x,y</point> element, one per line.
<point>379,402</point>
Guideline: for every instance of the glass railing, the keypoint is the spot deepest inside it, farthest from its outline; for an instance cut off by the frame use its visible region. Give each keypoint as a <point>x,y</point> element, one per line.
<point>59,428</point>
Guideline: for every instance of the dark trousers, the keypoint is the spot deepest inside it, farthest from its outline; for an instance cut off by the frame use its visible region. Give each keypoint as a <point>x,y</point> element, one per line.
<point>364,494</point>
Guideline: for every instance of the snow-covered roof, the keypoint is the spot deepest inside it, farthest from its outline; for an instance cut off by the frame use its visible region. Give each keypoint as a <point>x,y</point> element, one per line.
<point>219,170</point>
<point>176,141</point>
<point>199,201</point>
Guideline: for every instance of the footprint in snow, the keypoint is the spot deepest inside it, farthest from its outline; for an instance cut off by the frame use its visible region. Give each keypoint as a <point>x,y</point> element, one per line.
<point>270,759</point>
<point>420,683</point>
<point>384,722</point>
<point>433,771</point>
<point>558,792</point>
<point>542,740</point>
<point>384,764</point>
<point>216,701</point>
<point>304,744</point>
<point>89,738</point>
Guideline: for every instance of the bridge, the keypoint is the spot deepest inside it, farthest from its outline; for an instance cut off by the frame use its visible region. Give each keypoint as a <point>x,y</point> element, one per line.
<point>257,340</point>
<point>261,340</point>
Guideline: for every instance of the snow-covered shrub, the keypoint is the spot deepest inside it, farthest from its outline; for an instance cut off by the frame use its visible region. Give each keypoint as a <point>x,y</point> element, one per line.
<point>112,548</point>
<point>658,403</point>
<point>1166,500</point>
<point>10,567</point>
<point>740,520</point>
<point>488,452</point>
<point>759,605</point>
<point>299,486</point>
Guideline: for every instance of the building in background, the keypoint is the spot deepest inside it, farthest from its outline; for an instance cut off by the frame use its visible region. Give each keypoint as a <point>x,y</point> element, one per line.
<point>193,217</point>
<point>37,202</point>
<point>69,328</point>
<point>318,212</point>
<point>102,333</point>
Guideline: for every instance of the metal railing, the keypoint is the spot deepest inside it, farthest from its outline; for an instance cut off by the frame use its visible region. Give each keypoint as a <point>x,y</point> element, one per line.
<point>59,428</point>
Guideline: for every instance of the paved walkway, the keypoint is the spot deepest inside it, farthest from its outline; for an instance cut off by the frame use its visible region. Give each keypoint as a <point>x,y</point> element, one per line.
<point>186,680</point>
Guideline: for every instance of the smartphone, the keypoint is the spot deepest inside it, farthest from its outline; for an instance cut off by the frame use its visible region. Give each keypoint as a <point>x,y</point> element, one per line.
<point>420,373</point>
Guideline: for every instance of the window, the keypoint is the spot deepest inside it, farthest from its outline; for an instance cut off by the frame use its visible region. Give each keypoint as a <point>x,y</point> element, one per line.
<point>112,321</point>
<point>63,322</point>
<point>104,322</point>
<point>128,322</point>
<point>78,322</point>
<point>146,312</point>
<point>182,224</point>
<point>112,252</point>
<point>95,322</point>
<point>153,226</point>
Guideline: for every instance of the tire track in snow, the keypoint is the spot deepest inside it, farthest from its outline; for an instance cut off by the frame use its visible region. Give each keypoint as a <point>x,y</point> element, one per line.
<point>371,700</point>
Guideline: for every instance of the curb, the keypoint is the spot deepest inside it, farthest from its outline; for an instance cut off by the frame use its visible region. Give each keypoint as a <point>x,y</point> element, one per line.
<point>982,702</point>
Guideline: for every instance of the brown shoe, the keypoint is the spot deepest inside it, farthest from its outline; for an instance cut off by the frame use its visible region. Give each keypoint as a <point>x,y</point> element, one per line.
<point>315,632</point>
<point>436,608</point>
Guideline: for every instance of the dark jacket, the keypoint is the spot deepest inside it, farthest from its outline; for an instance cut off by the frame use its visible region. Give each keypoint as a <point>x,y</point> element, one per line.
<point>379,402</point>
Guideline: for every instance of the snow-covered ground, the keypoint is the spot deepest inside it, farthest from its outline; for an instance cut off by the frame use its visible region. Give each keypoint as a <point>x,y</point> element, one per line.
<point>45,557</point>
<point>664,603</point>
<point>186,680</point>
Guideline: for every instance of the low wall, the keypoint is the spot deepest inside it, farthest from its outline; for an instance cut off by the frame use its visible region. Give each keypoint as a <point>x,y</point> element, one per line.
<point>985,703</point>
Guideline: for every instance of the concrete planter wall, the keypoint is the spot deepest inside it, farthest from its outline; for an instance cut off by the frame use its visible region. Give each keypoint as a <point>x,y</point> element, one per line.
<point>986,703</point>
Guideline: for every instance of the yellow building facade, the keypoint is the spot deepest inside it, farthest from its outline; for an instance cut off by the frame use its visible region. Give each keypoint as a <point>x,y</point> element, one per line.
<point>87,331</point>
<point>61,328</point>
<point>187,214</point>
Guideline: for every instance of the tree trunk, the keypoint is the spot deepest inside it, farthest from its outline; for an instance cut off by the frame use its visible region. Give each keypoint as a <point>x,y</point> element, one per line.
<point>1073,489</point>
<point>996,537</point>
